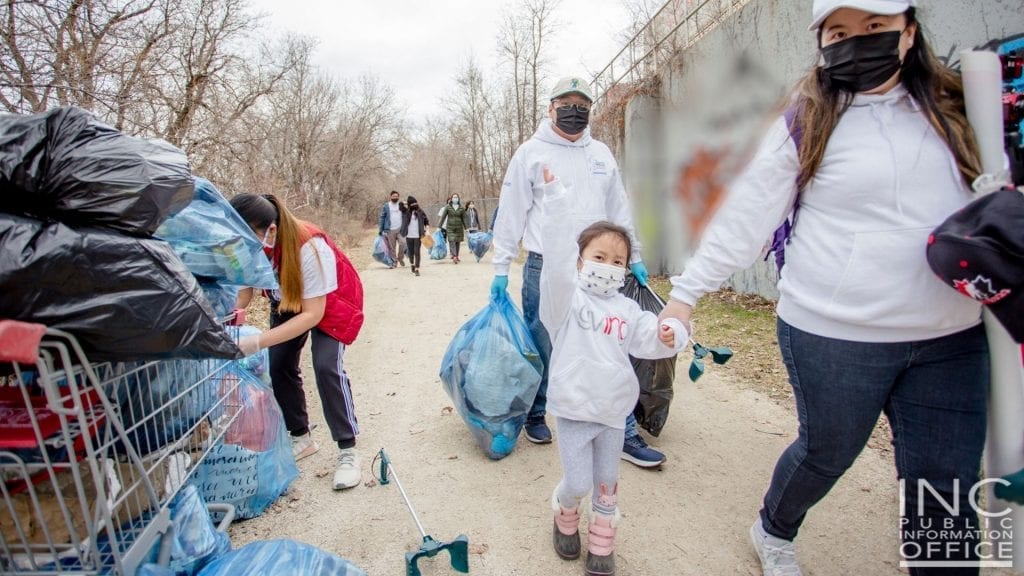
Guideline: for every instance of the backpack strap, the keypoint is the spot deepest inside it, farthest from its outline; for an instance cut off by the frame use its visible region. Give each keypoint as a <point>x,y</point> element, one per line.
<point>783,233</point>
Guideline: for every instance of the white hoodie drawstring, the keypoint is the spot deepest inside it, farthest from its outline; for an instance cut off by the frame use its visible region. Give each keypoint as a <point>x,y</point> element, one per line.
<point>882,112</point>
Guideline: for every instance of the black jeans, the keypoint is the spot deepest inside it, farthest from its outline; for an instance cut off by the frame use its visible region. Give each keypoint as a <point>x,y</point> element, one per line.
<point>934,394</point>
<point>331,381</point>
<point>413,251</point>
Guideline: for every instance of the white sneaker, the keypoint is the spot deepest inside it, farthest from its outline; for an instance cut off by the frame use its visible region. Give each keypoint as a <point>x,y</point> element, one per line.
<point>348,473</point>
<point>778,556</point>
<point>303,446</point>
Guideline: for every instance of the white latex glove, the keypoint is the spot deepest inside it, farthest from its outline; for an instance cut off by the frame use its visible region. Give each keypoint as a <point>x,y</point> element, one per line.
<point>250,345</point>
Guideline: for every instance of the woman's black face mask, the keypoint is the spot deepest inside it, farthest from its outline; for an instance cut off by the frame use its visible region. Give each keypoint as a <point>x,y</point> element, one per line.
<point>862,63</point>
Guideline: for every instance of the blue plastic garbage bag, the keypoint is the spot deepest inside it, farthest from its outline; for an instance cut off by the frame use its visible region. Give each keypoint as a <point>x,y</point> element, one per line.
<point>253,464</point>
<point>491,371</point>
<point>274,557</point>
<point>223,298</point>
<point>479,243</point>
<point>161,402</point>
<point>382,252</point>
<point>195,542</point>
<point>440,248</point>
<point>215,243</point>
<point>259,363</point>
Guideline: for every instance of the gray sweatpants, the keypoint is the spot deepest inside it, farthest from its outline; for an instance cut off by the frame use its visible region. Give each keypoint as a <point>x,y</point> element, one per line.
<point>397,242</point>
<point>590,458</point>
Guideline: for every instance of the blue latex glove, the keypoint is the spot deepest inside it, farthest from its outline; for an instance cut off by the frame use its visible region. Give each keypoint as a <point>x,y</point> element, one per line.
<point>499,285</point>
<point>640,271</point>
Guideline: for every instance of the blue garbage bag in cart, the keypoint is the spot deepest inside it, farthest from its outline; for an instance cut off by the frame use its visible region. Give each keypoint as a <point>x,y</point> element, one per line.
<point>491,371</point>
<point>253,464</point>
<point>215,243</point>
<point>195,541</point>
<point>273,557</point>
<point>440,248</point>
<point>382,252</point>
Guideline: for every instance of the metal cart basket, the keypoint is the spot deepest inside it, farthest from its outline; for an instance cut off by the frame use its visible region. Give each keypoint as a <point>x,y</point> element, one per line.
<point>91,454</point>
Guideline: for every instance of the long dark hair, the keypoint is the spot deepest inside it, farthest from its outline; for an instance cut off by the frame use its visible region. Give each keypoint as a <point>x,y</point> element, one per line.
<point>937,89</point>
<point>259,212</point>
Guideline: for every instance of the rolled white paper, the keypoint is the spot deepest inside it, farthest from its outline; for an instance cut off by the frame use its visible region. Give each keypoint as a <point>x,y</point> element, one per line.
<point>983,93</point>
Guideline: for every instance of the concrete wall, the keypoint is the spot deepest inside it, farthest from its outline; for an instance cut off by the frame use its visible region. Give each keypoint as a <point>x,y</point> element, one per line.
<point>735,75</point>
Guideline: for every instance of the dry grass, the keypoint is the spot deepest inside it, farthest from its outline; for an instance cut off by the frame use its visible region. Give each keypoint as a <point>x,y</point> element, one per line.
<point>746,323</point>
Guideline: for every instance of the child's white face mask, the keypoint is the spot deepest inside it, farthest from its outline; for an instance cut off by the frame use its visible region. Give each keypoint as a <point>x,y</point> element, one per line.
<point>601,279</point>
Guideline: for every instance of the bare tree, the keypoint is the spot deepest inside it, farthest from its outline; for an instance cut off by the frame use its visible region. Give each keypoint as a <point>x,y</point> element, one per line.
<point>513,38</point>
<point>68,51</point>
<point>542,26</point>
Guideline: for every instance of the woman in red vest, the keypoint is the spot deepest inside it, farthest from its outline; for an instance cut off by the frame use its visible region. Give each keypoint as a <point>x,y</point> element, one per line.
<point>320,294</point>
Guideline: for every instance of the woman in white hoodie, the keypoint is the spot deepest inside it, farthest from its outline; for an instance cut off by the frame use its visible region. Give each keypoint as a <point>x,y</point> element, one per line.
<point>885,155</point>
<point>594,329</point>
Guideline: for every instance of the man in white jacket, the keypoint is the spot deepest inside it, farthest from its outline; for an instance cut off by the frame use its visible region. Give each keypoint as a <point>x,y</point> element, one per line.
<point>589,172</point>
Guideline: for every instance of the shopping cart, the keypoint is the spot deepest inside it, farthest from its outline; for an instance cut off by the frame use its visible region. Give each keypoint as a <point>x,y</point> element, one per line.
<point>91,454</point>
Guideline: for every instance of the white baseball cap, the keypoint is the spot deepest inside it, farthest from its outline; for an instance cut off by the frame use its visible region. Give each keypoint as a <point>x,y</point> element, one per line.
<point>572,84</point>
<point>824,8</point>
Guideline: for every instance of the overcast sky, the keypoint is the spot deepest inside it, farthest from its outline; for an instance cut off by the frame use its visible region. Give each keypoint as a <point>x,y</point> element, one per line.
<point>416,46</point>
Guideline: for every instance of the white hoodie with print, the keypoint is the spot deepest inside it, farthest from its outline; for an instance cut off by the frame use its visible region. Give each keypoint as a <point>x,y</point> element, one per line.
<point>592,337</point>
<point>591,177</point>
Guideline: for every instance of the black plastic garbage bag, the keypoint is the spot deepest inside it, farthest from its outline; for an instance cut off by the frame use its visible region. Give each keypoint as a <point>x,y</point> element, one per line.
<point>655,376</point>
<point>66,165</point>
<point>124,298</point>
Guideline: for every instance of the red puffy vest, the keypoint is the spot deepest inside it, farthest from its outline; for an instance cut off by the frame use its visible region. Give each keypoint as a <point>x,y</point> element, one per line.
<point>343,311</point>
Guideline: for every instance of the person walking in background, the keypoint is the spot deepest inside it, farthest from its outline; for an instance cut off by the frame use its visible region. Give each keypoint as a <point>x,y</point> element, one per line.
<point>592,384</point>
<point>472,218</point>
<point>320,294</point>
<point>391,225</point>
<point>885,155</point>
<point>414,228</point>
<point>589,171</point>
<point>453,215</point>
<point>442,222</point>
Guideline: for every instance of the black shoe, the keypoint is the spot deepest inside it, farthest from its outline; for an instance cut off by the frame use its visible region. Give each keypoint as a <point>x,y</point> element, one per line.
<point>537,430</point>
<point>600,565</point>
<point>567,547</point>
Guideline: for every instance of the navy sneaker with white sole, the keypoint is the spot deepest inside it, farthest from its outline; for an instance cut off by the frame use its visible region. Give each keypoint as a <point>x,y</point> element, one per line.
<point>636,451</point>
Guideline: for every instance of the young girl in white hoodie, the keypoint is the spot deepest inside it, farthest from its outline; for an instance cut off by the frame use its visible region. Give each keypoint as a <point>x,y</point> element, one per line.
<point>880,152</point>
<point>592,387</point>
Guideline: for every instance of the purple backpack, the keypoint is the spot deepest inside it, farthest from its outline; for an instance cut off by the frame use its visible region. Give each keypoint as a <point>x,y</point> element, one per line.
<point>783,233</point>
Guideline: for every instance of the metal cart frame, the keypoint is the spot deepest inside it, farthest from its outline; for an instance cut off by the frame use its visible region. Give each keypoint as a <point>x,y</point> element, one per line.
<point>91,454</point>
